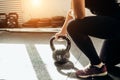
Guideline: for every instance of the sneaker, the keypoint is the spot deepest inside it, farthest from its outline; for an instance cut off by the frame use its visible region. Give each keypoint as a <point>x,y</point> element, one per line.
<point>92,71</point>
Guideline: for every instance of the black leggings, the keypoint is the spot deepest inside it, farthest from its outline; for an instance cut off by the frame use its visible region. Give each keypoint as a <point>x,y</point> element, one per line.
<point>98,26</point>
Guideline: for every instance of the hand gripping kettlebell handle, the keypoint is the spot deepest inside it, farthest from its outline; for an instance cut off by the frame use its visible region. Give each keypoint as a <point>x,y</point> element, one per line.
<point>64,38</point>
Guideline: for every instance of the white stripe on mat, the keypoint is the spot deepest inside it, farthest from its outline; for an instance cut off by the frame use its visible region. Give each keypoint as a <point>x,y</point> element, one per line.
<point>15,63</point>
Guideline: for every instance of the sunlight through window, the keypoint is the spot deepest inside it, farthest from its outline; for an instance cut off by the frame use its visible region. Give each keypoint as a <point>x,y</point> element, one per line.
<point>36,3</point>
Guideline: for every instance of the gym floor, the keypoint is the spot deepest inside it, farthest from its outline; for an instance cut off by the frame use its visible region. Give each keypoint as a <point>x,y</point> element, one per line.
<point>27,56</point>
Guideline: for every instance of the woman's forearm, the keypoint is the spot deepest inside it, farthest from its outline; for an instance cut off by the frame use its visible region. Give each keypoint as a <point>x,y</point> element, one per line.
<point>69,16</point>
<point>78,10</point>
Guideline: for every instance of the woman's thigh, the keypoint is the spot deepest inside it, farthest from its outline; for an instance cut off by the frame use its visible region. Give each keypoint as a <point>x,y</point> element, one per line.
<point>97,26</point>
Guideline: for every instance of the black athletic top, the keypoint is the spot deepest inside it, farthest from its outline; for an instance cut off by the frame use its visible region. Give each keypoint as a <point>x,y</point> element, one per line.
<point>103,7</point>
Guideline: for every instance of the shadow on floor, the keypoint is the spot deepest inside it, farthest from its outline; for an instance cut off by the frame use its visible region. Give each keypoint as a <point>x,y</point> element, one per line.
<point>107,77</point>
<point>113,72</point>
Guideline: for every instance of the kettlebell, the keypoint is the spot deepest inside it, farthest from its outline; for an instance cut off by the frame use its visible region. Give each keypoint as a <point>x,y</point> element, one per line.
<point>12,20</point>
<point>60,56</point>
<point>3,20</point>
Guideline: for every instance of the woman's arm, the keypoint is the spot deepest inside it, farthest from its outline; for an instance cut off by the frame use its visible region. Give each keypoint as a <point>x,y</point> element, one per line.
<point>63,31</point>
<point>78,7</point>
<point>77,11</point>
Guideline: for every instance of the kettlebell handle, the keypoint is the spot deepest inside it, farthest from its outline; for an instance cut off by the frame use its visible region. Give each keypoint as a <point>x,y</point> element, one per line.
<point>64,38</point>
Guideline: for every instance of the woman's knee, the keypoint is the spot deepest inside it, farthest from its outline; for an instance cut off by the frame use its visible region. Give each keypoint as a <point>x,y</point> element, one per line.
<point>71,26</point>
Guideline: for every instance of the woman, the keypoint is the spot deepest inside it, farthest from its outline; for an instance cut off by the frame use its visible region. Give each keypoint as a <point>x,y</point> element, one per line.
<point>104,25</point>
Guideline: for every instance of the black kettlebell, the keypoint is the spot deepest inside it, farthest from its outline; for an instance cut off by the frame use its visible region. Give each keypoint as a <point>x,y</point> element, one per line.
<point>3,20</point>
<point>60,56</point>
<point>12,20</point>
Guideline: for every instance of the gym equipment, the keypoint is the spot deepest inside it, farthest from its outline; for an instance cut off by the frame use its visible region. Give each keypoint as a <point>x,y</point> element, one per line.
<point>3,20</point>
<point>61,56</point>
<point>12,20</point>
<point>31,23</point>
<point>57,21</point>
<point>44,22</point>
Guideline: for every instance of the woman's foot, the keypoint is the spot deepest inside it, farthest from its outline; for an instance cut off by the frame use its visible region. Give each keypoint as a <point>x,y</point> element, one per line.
<point>92,71</point>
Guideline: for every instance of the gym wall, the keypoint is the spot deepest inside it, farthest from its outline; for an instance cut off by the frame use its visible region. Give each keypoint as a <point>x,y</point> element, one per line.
<point>44,8</point>
<point>28,9</point>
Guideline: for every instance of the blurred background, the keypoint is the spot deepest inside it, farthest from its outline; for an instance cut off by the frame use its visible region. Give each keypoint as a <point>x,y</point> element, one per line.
<point>34,9</point>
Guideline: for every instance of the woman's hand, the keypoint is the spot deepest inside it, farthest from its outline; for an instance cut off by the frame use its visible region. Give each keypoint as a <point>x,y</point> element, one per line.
<point>60,33</point>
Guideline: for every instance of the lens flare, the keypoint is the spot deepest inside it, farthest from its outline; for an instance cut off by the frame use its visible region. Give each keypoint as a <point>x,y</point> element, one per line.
<point>36,2</point>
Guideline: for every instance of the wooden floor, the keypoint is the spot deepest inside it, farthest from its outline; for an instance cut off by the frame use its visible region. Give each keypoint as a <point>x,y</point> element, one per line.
<point>27,56</point>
